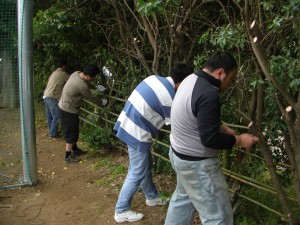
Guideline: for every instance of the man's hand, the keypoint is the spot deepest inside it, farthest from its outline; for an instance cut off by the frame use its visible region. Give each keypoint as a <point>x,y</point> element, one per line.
<point>104,101</point>
<point>246,140</point>
<point>101,88</point>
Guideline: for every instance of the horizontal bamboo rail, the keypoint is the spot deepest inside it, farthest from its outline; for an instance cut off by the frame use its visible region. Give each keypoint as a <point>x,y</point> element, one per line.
<point>244,179</point>
<point>261,205</point>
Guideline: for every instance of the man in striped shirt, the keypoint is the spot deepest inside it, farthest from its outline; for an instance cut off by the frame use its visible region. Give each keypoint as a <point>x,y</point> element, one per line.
<point>146,111</point>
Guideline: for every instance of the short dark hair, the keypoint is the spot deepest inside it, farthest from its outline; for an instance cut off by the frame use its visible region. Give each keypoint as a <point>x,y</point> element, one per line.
<point>180,71</point>
<point>221,60</point>
<point>61,62</point>
<point>91,70</point>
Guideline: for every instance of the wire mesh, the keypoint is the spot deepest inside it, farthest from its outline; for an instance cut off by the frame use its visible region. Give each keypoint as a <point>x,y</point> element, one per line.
<point>11,166</point>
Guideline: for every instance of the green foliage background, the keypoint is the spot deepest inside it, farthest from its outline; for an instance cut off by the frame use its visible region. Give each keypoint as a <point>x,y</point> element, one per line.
<point>114,34</point>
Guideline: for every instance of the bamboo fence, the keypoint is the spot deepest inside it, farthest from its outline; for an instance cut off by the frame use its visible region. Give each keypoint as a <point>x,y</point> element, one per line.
<point>108,116</point>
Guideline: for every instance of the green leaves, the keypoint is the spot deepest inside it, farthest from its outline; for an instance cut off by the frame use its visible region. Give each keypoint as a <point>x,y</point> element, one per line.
<point>97,137</point>
<point>152,6</point>
<point>226,37</point>
<point>254,83</point>
<point>276,22</point>
<point>286,70</point>
<point>147,8</point>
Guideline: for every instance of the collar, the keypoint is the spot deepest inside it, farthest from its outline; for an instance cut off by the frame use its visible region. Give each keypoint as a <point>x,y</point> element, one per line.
<point>213,81</point>
<point>78,74</point>
<point>171,81</point>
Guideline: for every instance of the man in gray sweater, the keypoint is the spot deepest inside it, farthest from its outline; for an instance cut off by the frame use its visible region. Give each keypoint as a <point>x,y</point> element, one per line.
<point>52,95</point>
<point>197,136</point>
<point>73,92</point>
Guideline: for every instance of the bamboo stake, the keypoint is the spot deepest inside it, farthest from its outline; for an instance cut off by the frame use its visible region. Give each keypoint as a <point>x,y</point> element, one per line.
<point>262,205</point>
<point>160,156</point>
<point>5,206</point>
<point>253,183</point>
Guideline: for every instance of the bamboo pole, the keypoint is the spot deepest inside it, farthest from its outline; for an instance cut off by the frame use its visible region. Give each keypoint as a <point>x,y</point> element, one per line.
<point>261,205</point>
<point>253,183</point>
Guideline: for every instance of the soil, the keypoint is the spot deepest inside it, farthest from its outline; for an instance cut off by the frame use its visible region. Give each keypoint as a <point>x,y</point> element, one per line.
<point>65,194</point>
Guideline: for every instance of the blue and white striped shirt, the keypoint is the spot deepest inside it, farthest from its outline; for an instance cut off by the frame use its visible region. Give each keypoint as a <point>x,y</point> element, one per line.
<point>146,111</point>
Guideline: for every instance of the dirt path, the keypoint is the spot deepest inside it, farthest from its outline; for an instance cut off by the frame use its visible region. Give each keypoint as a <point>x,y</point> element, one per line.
<point>70,194</point>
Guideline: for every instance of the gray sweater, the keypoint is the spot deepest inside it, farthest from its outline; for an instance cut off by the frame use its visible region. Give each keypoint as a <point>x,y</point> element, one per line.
<point>73,92</point>
<point>56,83</point>
<point>195,118</point>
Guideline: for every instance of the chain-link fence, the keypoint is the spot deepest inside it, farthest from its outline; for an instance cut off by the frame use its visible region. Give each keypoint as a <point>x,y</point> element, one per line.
<point>13,124</point>
<point>10,137</point>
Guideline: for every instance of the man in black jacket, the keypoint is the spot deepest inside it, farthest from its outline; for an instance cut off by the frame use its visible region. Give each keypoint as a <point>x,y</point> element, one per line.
<point>196,136</point>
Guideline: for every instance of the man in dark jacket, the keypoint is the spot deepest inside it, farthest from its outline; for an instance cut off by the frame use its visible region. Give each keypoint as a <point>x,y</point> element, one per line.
<point>196,136</point>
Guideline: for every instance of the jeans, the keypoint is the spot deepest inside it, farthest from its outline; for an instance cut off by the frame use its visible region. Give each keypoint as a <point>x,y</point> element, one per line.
<point>52,114</point>
<point>139,175</point>
<point>201,186</point>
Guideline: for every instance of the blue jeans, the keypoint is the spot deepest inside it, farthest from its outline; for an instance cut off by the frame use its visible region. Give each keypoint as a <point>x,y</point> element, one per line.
<point>139,175</point>
<point>52,114</point>
<point>201,186</point>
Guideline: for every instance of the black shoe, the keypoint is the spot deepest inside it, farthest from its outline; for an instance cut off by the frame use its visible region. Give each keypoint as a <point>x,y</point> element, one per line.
<point>72,159</point>
<point>78,152</point>
<point>57,136</point>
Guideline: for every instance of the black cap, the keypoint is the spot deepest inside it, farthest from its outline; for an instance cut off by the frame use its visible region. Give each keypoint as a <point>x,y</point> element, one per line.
<point>91,70</point>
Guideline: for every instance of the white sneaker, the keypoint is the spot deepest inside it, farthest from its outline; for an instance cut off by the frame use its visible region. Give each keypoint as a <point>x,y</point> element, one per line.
<point>128,216</point>
<point>157,201</point>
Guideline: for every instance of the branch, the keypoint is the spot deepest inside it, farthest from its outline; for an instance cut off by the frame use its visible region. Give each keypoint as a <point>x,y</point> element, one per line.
<point>286,116</point>
<point>256,39</point>
<point>141,56</point>
<point>132,13</point>
<point>263,62</point>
